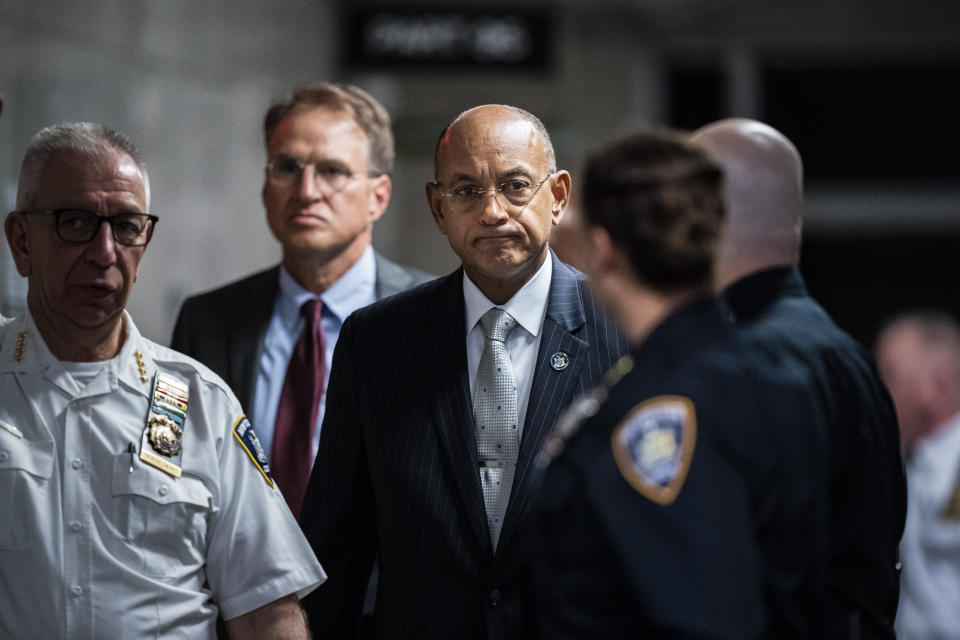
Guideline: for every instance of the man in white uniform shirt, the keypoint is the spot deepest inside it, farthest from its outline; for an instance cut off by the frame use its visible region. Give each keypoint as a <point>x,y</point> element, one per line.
<point>135,500</point>
<point>919,358</point>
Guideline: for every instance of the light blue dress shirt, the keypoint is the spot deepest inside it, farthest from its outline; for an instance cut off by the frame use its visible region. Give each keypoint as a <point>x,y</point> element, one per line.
<point>355,289</point>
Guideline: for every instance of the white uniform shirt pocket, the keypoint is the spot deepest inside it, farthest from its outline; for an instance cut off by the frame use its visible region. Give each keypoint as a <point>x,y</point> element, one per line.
<point>162,519</point>
<point>25,469</point>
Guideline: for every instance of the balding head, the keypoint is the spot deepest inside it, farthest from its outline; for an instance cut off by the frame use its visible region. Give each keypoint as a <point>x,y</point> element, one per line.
<point>918,354</point>
<point>763,190</point>
<point>491,115</point>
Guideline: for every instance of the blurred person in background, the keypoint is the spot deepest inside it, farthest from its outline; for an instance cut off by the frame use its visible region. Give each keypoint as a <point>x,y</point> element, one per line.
<point>686,500</point>
<point>764,293</point>
<point>918,353</point>
<point>271,335</point>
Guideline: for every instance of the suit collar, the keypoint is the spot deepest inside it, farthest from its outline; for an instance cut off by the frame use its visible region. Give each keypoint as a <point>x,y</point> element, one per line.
<point>249,327</point>
<point>392,278</point>
<point>352,290</point>
<point>527,306</point>
<point>565,306</point>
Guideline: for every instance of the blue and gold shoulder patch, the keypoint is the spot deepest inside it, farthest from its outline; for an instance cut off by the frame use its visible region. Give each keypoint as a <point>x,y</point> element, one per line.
<point>653,446</point>
<point>245,435</point>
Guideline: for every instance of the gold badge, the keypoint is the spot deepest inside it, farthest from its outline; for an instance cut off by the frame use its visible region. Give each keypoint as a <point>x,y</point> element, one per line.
<point>165,435</point>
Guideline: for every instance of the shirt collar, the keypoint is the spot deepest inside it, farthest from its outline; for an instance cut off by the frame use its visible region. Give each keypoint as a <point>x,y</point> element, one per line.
<point>35,356</point>
<point>940,447</point>
<point>354,289</point>
<point>528,306</point>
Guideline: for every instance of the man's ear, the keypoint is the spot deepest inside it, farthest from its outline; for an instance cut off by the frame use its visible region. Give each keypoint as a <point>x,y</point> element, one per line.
<point>560,186</point>
<point>263,189</point>
<point>604,257</point>
<point>16,228</point>
<point>380,197</point>
<point>435,200</point>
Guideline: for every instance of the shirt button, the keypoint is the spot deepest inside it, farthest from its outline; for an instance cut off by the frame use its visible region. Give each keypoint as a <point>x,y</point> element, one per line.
<point>76,590</point>
<point>493,598</point>
<point>163,490</point>
<point>76,526</point>
<point>3,456</point>
<point>76,464</point>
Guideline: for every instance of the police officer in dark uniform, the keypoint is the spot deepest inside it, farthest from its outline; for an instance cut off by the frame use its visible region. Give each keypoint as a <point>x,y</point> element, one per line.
<point>764,291</point>
<point>684,497</point>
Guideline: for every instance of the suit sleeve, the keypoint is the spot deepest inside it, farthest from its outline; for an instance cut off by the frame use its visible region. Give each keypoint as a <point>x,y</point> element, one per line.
<point>338,509</point>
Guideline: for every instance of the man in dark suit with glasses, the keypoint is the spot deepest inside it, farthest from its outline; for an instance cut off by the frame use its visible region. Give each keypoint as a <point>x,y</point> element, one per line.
<point>440,398</point>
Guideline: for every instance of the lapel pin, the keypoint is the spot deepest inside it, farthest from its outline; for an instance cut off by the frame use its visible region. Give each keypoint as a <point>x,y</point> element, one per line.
<point>559,361</point>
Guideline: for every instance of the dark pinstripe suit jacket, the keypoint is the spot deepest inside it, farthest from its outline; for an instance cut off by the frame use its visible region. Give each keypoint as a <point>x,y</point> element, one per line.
<point>397,472</point>
<point>225,328</point>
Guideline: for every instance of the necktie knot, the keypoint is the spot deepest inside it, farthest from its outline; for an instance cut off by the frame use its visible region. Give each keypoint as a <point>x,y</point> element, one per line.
<point>312,310</point>
<point>497,324</point>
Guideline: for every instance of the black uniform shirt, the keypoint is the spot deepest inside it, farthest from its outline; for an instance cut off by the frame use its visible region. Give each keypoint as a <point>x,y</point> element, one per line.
<point>867,488</point>
<point>690,505</point>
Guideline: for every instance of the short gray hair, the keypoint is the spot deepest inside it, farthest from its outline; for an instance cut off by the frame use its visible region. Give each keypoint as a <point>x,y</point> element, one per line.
<point>84,138</point>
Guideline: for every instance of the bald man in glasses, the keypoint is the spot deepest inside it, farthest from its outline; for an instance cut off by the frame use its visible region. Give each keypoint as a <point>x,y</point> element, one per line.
<point>440,397</point>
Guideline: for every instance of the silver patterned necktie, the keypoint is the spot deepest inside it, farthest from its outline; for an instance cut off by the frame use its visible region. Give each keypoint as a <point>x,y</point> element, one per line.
<point>495,415</point>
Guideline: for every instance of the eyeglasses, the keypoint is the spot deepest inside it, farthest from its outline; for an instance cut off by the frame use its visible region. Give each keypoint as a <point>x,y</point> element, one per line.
<point>329,177</point>
<point>516,192</point>
<point>78,226</point>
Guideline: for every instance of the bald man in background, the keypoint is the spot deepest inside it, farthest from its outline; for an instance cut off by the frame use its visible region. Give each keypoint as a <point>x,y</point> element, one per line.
<point>918,353</point>
<point>761,285</point>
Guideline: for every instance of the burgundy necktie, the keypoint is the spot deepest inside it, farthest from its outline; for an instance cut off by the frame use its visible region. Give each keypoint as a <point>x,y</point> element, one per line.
<point>297,411</point>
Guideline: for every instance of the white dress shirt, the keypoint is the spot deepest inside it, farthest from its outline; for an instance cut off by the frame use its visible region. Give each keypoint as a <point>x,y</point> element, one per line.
<point>528,307</point>
<point>930,548</point>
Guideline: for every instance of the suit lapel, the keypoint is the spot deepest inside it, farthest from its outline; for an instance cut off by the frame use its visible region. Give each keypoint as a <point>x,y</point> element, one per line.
<point>451,406</point>
<point>552,389</point>
<point>249,329</point>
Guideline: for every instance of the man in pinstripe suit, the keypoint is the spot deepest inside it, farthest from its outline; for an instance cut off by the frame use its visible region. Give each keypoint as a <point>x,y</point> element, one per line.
<point>398,471</point>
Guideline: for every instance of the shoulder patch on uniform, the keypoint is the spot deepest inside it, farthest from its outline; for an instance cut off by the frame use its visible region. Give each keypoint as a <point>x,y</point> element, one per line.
<point>247,437</point>
<point>653,446</point>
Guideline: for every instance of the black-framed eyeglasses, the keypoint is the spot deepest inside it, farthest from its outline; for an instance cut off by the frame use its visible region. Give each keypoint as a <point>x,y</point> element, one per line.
<point>512,193</point>
<point>78,226</point>
<point>329,176</point>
